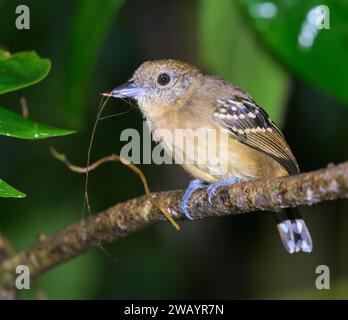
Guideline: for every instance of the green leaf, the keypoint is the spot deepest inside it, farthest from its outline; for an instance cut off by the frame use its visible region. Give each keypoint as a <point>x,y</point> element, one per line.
<point>91,22</point>
<point>21,70</point>
<point>13,125</point>
<point>229,49</point>
<point>6,191</point>
<point>290,29</point>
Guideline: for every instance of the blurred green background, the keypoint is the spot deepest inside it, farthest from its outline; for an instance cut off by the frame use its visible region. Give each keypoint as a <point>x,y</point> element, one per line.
<point>269,48</point>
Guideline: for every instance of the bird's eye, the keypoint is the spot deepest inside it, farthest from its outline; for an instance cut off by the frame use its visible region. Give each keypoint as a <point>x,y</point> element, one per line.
<point>163,79</point>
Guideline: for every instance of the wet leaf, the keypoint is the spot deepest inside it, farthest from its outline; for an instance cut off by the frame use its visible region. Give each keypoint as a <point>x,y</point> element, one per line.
<point>6,191</point>
<point>310,37</point>
<point>13,125</point>
<point>21,70</point>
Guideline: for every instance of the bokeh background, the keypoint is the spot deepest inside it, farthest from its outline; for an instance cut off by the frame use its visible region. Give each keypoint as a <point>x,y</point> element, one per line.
<point>269,48</point>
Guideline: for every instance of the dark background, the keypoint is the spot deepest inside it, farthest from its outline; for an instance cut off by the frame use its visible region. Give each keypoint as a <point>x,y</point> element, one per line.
<point>230,257</point>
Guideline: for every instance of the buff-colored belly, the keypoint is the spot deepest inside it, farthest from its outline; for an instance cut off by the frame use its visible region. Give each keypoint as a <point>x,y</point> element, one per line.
<point>219,157</point>
<point>237,160</point>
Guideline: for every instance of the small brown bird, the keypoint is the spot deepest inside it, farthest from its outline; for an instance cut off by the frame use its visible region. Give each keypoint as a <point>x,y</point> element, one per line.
<point>175,95</point>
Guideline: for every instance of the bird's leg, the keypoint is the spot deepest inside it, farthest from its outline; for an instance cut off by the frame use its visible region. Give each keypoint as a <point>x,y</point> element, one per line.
<point>193,186</point>
<point>214,186</point>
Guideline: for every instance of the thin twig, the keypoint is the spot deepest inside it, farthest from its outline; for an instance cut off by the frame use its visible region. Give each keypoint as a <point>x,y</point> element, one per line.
<point>62,157</point>
<point>113,157</point>
<point>24,105</point>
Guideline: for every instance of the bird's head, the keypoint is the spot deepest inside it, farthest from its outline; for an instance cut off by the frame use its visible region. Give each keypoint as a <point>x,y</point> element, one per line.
<point>158,85</point>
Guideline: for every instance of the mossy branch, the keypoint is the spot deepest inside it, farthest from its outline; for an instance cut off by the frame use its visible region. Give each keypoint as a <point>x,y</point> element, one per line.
<point>137,214</point>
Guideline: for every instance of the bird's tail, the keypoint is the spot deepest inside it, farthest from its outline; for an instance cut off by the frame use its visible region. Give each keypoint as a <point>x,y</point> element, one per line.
<point>293,231</point>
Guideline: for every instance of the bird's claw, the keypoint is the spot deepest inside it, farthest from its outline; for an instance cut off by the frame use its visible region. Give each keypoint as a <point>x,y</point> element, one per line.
<point>193,186</point>
<point>211,190</point>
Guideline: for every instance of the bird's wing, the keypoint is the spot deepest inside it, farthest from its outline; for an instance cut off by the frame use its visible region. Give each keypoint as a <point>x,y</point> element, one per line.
<point>251,125</point>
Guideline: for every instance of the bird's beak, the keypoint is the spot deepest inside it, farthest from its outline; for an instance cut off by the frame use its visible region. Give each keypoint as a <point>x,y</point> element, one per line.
<point>126,90</point>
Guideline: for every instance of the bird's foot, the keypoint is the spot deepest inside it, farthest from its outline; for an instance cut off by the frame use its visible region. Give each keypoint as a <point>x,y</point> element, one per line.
<point>193,186</point>
<point>214,186</point>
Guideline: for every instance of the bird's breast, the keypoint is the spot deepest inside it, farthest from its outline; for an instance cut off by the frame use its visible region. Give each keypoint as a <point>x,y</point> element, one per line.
<point>208,152</point>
